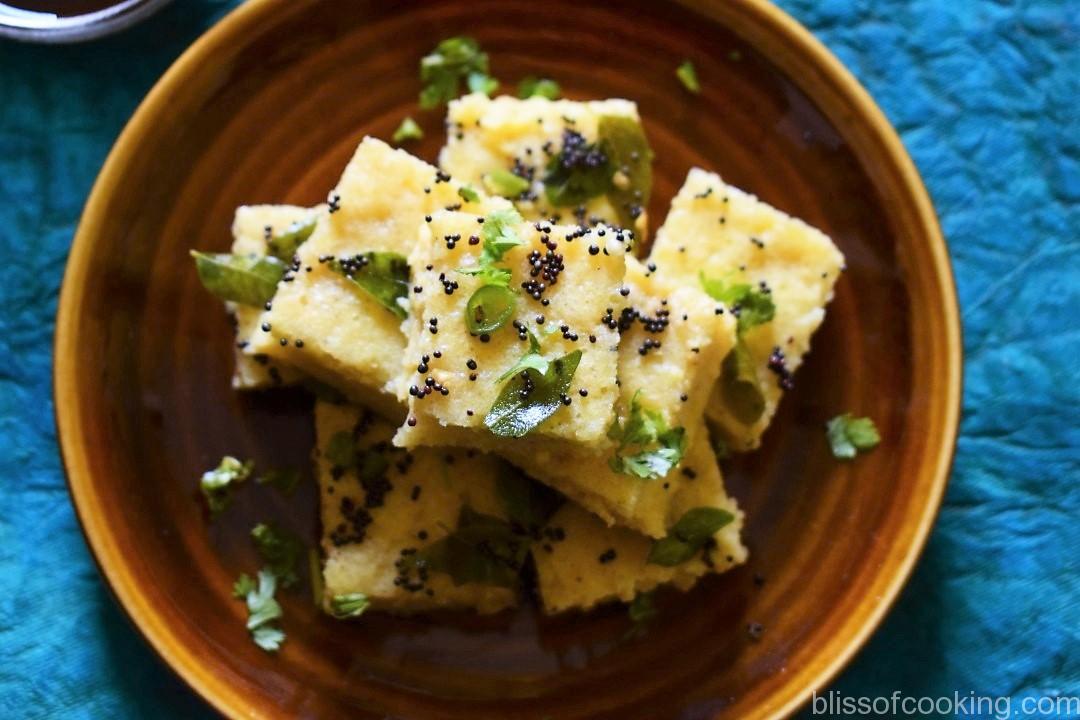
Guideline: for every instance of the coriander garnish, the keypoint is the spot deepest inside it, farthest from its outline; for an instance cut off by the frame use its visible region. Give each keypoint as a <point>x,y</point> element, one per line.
<point>407,130</point>
<point>687,75</point>
<point>263,609</point>
<point>350,605</point>
<point>533,86</point>
<point>660,448</point>
<point>279,550</point>
<point>453,60</point>
<point>849,435</point>
<point>752,306</point>
<point>217,484</point>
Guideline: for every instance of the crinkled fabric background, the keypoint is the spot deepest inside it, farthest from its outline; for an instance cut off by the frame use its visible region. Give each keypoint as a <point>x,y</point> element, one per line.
<point>985,94</point>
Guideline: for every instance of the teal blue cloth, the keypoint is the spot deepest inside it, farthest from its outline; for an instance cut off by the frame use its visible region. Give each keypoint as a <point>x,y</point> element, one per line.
<point>986,97</point>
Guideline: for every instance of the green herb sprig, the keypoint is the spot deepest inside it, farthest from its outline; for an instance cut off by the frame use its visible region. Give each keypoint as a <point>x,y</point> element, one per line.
<point>263,609</point>
<point>384,276</point>
<point>532,86</point>
<point>217,484</point>
<point>407,131</point>
<point>849,435</point>
<point>452,61</point>
<point>660,448</point>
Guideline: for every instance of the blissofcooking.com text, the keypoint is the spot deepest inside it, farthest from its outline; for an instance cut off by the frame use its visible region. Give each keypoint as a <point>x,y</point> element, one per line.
<point>970,705</point>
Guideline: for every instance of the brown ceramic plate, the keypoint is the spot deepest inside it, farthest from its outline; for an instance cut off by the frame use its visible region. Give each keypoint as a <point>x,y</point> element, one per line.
<point>267,107</point>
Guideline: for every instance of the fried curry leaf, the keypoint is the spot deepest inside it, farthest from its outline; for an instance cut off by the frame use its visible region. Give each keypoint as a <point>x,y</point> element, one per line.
<point>382,275</point>
<point>528,504</point>
<point>739,385</point>
<point>482,549</point>
<point>688,536</point>
<point>285,244</point>
<point>529,398</point>
<point>628,151</point>
<point>660,448</point>
<point>579,172</point>
<point>244,279</point>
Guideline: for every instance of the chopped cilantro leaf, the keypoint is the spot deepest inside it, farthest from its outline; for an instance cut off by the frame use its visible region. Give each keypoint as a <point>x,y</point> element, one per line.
<point>849,435</point>
<point>407,130</point>
<point>687,75</point>
<point>660,448</point>
<point>349,606</point>
<point>243,585</point>
<point>217,484</point>
<point>533,86</point>
<point>751,306</point>
<point>280,551</point>
<point>479,82</point>
<point>263,609</point>
<point>442,70</point>
<point>268,638</point>
<point>285,480</point>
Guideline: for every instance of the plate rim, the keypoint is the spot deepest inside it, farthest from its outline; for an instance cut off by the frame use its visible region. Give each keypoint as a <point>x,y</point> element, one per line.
<point>123,584</point>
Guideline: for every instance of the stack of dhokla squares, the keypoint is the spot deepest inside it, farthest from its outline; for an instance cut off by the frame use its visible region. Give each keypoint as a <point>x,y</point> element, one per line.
<point>514,381</point>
